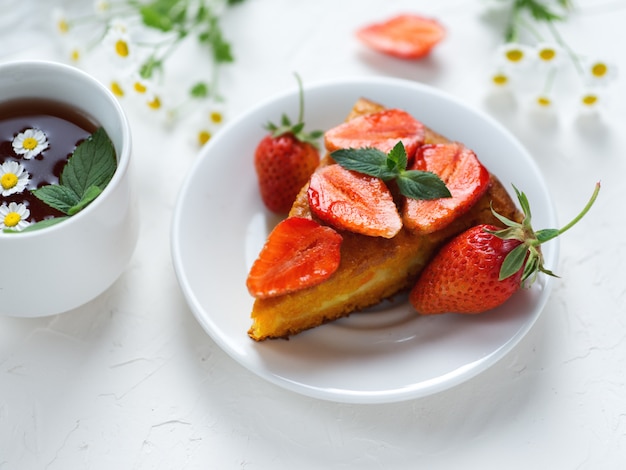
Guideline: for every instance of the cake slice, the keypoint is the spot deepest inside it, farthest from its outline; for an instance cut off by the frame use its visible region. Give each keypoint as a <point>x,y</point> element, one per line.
<point>371,269</point>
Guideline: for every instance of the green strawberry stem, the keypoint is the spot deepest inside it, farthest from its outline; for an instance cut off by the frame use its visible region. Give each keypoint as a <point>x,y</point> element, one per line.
<point>297,129</point>
<point>528,255</point>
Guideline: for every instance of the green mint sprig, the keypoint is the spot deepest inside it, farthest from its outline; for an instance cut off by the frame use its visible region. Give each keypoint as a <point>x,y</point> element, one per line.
<point>84,177</point>
<point>415,184</point>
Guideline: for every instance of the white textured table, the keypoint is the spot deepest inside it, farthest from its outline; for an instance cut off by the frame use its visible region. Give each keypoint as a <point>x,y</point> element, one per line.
<point>130,381</point>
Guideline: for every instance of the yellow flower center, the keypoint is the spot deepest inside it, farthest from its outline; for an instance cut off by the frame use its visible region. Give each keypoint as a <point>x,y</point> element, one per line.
<point>117,89</point>
<point>215,117</point>
<point>8,180</point>
<point>500,79</point>
<point>599,70</point>
<point>140,87</point>
<point>154,103</point>
<point>589,100</point>
<point>203,136</point>
<point>547,54</point>
<point>75,55</point>
<point>515,55</point>
<point>544,101</point>
<point>63,26</point>
<point>121,48</point>
<point>12,219</point>
<point>29,143</point>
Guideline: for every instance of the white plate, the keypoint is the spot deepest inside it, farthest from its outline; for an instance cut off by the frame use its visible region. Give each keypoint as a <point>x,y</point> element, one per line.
<point>220,225</point>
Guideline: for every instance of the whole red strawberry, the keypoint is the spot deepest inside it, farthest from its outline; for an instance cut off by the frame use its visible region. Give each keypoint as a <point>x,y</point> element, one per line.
<point>463,277</point>
<point>284,161</point>
<point>482,267</point>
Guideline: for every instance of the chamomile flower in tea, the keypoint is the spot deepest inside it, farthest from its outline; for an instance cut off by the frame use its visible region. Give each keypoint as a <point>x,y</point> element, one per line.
<point>14,216</point>
<point>30,143</point>
<point>13,178</point>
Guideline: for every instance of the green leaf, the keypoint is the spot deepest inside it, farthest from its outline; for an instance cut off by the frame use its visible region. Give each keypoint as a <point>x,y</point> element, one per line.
<point>163,15</point>
<point>199,90</point>
<point>513,261</point>
<point>150,66</point>
<point>421,185</point>
<point>84,177</point>
<point>373,162</point>
<point>547,234</point>
<point>41,224</point>
<point>396,158</point>
<point>505,220</point>
<point>91,193</point>
<point>369,161</point>
<point>93,163</point>
<point>58,197</point>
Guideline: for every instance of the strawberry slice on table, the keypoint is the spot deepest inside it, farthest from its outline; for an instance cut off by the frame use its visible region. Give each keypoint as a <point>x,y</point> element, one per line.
<point>298,253</point>
<point>352,201</point>
<point>465,177</point>
<point>381,130</point>
<point>406,36</point>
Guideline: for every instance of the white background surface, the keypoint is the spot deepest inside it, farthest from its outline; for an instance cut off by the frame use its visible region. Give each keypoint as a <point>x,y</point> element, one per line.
<point>131,380</point>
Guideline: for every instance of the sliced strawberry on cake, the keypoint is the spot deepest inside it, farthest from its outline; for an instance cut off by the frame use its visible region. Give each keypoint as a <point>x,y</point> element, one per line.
<point>381,130</point>
<point>298,253</point>
<point>465,177</point>
<point>352,201</point>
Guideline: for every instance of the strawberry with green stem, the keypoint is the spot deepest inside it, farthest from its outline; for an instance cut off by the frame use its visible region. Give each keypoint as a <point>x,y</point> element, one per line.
<point>482,267</point>
<point>285,159</point>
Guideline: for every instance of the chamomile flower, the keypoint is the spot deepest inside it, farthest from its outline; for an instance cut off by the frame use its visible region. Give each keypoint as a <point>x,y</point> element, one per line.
<point>515,54</point>
<point>544,101</point>
<point>590,100</point>
<point>548,54</point>
<point>13,178</point>
<point>599,72</point>
<point>75,52</point>
<point>119,45</point>
<point>61,22</point>
<point>216,116</point>
<point>101,7</point>
<point>117,88</point>
<point>13,216</point>
<point>30,143</point>
<point>207,123</point>
<point>501,79</point>
<point>141,86</point>
<point>154,102</point>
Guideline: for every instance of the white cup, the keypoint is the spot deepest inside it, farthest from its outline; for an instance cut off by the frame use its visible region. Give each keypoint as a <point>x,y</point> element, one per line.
<point>61,267</point>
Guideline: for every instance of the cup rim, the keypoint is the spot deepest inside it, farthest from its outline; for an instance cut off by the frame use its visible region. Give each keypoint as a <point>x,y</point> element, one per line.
<point>123,155</point>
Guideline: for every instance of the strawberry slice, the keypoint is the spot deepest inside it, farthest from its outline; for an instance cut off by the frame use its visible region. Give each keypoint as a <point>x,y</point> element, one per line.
<point>298,253</point>
<point>352,201</point>
<point>466,178</point>
<point>381,130</point>
<point>406,36</point>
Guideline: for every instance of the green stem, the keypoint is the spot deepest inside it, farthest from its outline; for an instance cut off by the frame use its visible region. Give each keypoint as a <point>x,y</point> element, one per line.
<point>584,211</point>
<point>300,98</point>
<point>563,44</point>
